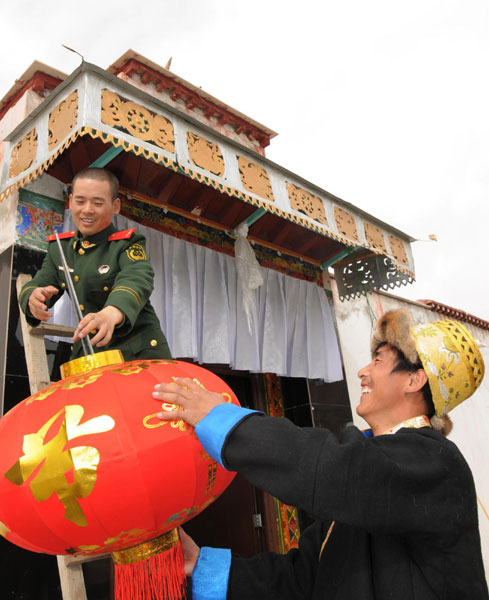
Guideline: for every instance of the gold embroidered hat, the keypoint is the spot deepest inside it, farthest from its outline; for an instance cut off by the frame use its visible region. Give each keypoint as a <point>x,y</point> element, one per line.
<point>446,349</point>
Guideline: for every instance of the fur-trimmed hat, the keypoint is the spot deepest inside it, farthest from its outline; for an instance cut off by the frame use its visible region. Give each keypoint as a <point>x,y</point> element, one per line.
<point>446,349</point>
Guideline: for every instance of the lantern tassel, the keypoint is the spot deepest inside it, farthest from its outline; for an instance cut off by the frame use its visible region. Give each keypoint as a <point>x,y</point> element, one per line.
<point>151,571</point>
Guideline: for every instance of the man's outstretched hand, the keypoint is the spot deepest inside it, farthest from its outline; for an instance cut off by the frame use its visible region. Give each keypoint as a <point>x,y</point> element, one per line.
<point>190,401</point>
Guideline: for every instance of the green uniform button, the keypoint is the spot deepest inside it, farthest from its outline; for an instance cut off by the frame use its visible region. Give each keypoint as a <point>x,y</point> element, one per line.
<point>154,343</point>
<point>81,251</point>
<point>76,278</point>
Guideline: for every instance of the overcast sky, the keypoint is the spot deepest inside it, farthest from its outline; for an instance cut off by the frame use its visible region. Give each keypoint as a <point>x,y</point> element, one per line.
<point>382,103</point>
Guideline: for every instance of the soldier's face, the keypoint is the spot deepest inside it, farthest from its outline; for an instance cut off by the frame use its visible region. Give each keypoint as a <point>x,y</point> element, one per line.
<point>92,206</point>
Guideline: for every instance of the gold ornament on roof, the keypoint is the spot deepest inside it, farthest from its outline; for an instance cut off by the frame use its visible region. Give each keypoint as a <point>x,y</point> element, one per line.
<point>23,154</point>
<point>345,222</point>
<point>306,203</point>
<point>375,237</point>
<point>62,120</point>
<point>398,250</point>
<point>205,154</point>
<point>135,119</point>
<point>255,178</point>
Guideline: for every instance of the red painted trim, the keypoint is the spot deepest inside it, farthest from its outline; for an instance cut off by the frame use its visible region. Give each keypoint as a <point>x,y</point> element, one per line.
<point>38,83</point>
<point>192,99</point>
<point>455,313</point>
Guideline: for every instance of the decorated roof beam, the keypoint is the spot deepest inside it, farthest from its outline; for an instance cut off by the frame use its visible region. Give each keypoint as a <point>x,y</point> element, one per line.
<point>94,107</point>
<point>107,157</point>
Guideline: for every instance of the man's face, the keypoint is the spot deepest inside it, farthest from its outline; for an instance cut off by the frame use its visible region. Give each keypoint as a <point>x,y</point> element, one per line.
<point>382,390</point>
<point>92,206</point>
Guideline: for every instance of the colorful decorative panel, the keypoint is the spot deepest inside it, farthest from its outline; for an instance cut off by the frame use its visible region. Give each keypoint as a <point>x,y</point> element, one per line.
<point>143,211</point>
<point>137,120</point>
<point>205,154</point>
<point>37,217</point>
<point>306,203</point>
<point>62,120</point>
<point>255,178</point>
<point>287,518</point>
<point>23,154</point>
<point>398,250</point>
<point>375,237</point>
<point>346,224</point>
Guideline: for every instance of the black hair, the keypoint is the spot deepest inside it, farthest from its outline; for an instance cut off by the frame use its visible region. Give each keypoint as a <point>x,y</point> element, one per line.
<point>99,175</point>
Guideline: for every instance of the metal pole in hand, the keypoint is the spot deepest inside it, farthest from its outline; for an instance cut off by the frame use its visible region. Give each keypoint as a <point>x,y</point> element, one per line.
<point>86,343</point>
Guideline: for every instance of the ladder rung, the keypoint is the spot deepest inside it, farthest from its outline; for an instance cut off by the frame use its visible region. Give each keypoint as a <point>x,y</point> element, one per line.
<point>52,329</point>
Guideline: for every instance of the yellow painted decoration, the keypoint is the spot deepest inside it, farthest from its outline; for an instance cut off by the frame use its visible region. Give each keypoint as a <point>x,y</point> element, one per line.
<point>205,154</point>
<point>62,120</point>
<point>452,361</point>
<point>137,120</point>
<point>306,203</point>
<point>23,154</point>
<point>255,178</point>
<point>52,461</point>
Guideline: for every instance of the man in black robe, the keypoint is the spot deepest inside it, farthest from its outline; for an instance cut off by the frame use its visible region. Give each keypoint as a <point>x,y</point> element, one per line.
<point>395,508</point>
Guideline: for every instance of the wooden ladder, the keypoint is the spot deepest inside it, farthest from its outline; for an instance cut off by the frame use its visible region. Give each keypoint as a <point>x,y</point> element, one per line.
<point>70,567</point>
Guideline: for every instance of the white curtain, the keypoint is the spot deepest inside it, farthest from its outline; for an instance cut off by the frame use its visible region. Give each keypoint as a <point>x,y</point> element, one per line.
<point>198,300</point>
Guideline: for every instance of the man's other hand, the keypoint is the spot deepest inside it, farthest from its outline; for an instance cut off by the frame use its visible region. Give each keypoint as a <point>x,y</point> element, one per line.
<point>190,552</point>
<point>37,302</point>
<point>191,402</point>
<point>103,322</point>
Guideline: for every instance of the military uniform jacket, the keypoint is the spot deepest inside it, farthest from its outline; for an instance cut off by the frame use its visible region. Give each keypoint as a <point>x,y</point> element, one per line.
<point>404,510</point>
<point>108,268</point>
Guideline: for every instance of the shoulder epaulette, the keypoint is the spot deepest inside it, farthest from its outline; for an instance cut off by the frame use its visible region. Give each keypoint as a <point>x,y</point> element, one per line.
<point>121,235</point>
<point>62,236</point>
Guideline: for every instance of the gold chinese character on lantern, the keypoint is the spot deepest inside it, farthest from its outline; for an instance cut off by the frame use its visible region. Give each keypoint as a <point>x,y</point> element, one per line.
<point>56,465</point>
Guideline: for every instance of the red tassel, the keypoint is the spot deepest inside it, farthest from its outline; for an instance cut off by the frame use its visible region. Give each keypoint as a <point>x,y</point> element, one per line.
<point>160,577</point>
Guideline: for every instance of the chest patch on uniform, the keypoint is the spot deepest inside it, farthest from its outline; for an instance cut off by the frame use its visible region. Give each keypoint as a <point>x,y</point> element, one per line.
<point>103,269</point>
<point>136,252</point>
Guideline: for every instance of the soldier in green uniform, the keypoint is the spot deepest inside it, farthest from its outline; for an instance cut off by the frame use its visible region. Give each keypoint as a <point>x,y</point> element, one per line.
<point>112,275</point>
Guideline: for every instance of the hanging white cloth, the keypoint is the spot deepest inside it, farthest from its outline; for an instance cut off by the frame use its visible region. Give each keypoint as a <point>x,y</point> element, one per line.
<point>197,297</point>
<point>249,272</point>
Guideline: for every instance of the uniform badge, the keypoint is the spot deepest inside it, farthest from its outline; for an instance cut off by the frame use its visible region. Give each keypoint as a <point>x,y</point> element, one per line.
<point>103,269</point>
<point>136,252</point>
<point>86,244</point>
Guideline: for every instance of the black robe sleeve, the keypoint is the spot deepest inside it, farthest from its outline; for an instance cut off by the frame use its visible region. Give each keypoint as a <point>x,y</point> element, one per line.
<point>413,481</point>
<point>271,576</point>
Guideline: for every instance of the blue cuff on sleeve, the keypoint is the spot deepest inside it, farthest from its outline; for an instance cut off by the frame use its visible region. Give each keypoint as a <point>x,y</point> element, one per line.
<point>211,574</point>
<point>214,428</point>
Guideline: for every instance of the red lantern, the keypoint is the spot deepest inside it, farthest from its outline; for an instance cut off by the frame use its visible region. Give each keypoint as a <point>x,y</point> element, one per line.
<point>87,467</point>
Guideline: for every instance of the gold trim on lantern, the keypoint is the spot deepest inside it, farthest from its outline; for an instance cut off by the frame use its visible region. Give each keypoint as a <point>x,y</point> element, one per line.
<point>146,549</point>
<point>91,361</point>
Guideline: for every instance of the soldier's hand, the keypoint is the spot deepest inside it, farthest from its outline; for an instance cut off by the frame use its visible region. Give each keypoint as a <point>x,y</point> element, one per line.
<point>185,399</point>
<point>103,321</point>
<point>37,302</point>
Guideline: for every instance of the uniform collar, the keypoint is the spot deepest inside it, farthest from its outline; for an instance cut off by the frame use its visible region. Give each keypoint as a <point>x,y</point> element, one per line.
<point>97,238</point>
